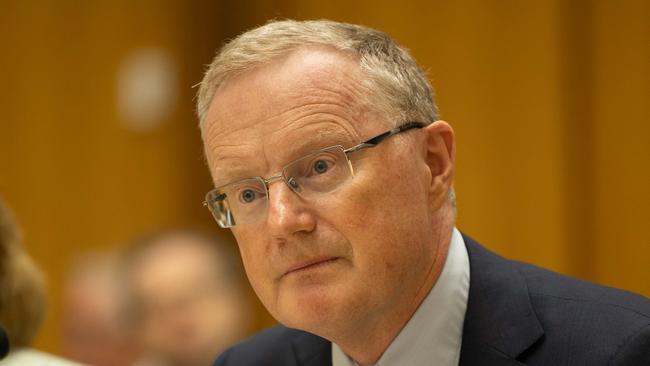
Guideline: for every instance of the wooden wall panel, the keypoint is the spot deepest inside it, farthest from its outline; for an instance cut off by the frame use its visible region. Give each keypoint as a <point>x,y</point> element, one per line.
<point>76,176</point>
<point>621,110</point>
<point>549,100</point>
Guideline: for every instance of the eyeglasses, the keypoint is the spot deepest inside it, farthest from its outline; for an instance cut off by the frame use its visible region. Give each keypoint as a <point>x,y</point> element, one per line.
<point>245,201</point>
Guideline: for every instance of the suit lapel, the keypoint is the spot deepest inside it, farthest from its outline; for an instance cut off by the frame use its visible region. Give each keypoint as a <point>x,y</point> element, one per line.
<point>500,323</point>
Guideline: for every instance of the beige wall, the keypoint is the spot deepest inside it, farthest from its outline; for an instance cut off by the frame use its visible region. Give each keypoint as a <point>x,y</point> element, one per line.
<point>549,100</point>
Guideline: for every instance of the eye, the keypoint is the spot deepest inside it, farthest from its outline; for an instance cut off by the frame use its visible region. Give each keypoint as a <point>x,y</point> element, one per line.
<point>248,191</point>
<point>320,166</point>
<point>247,195</point>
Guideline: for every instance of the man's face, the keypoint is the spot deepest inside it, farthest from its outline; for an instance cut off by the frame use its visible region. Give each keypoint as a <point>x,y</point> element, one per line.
<point>348,258</point>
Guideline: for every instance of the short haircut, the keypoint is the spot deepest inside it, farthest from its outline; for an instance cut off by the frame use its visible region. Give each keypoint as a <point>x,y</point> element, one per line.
<point>22,288</point>
<point>401,89</point>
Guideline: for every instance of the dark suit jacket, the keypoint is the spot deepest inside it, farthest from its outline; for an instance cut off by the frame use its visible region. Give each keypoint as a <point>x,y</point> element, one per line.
<point>517,314</point>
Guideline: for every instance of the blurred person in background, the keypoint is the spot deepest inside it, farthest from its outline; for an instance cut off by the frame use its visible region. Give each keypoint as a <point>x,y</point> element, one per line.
<point>186,300</point>
<point>22,298</point>
<point>93,330</point>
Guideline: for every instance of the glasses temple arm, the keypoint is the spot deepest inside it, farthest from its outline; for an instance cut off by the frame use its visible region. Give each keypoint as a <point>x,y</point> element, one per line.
<point>374,141</point>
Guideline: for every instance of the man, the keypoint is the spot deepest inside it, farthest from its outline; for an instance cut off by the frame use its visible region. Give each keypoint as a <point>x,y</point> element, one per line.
<point>93,331</point>
<point>335,175</point>
<point>186,302</point>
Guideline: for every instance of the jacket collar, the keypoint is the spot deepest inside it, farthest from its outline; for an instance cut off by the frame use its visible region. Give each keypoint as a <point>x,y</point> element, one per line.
<point>500,323</point>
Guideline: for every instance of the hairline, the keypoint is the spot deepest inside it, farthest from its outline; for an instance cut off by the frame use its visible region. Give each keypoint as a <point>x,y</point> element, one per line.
<point>363,105</point>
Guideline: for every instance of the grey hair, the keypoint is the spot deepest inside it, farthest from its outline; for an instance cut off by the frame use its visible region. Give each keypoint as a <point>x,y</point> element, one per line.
<point>402,90</point>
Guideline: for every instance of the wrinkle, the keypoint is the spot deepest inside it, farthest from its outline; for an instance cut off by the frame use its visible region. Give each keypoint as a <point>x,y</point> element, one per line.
<point>331,94</point>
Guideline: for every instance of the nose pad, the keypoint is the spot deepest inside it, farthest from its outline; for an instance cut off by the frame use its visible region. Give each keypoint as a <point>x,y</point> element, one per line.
<point>293,184</point>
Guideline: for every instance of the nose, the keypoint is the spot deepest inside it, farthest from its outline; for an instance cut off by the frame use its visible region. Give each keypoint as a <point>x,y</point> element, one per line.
<point>288,213</point>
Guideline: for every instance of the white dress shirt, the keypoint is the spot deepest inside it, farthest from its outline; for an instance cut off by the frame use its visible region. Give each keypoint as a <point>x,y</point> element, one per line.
<point>434,333</point>
<point>32,357</point>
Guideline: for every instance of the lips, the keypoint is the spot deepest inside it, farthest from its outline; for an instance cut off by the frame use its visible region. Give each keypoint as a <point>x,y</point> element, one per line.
<point>312,263</point>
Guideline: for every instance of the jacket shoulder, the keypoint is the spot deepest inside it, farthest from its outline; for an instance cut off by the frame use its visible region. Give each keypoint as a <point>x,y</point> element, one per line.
<point>269,347</point>
<point>552,286</point>
<point>592,322</point>
<point>278,345</point>
<point>541,317</point>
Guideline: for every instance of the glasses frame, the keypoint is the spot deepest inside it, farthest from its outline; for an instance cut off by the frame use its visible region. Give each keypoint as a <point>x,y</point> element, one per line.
<point>369,143</point>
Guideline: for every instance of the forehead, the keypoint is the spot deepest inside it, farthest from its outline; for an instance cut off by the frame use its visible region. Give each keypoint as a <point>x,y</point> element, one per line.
<point>303,96</point>
<point>308,75</point>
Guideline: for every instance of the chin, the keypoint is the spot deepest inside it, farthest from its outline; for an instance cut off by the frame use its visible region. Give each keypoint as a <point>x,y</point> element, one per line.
<point>312,311</point>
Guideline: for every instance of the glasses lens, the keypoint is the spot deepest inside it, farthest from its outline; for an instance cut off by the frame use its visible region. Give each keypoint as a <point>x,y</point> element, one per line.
<point>238,203</point>
<point>321,172</point>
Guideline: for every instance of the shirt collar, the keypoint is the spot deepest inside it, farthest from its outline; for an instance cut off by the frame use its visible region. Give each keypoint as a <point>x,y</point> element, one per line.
<point>433,334</point>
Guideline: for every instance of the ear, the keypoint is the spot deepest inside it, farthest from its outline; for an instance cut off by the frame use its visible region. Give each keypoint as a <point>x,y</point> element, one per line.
<point>440,153</point>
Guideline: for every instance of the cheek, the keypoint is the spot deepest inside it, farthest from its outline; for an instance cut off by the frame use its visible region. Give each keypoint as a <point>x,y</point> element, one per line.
<point>394,208</point>
<point>254,263</point>
<point>387,223</point>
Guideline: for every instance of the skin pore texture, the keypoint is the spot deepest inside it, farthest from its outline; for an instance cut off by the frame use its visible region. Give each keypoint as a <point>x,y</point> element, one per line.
<point>351,266</point>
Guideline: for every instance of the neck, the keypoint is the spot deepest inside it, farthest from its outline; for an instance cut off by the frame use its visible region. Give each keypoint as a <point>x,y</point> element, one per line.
<point>367,341</point>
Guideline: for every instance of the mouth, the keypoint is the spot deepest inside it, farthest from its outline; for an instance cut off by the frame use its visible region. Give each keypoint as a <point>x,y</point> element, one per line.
<point>310,264</point>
